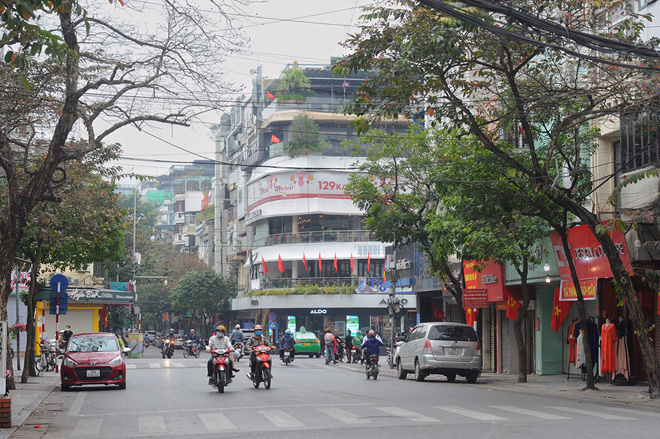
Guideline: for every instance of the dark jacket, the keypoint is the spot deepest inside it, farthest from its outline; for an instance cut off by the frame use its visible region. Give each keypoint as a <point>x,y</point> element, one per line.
<point>287,341</point>
<point>373,346</point>
<point>349,341</point>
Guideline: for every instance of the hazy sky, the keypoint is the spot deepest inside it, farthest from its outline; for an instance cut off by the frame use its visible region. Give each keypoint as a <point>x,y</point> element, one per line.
<point>281,31</point>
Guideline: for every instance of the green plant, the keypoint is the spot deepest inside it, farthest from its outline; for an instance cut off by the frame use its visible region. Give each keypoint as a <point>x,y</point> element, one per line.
<point>294,86</point>
<point>305,290</point>
<point>305,137</point>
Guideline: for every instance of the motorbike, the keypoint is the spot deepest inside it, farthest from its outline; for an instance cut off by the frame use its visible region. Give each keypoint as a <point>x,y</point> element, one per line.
<point>286,356</point>
<point>221,369</point>
<point>372,367</point>
<point>168,348</point>
<point>238,350</point>
<point>264,364</point>
<point>393,354</point>
<point>352,354</point>
<point>147,342</point>
<point>190,349</point>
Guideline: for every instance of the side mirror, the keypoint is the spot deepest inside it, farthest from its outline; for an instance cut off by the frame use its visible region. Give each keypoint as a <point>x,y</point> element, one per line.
<point>126,351</point>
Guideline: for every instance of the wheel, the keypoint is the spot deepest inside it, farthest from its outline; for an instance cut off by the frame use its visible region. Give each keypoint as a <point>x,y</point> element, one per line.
<point>451,377</point>
<point>40,364</point>
<point>66,387</point>
<point>402,374</point>
<point>419,376</point>
<point>163,356</point>
<point>256,382</point>
<point>221,381</point>
<point>169,355</point>
<point>122,386</point>
<point>375,376</point>
<point>312,356</point>
<point>472,377</point>
<point>318,356</point>
<point>197,353</point>
<point>185,353</point>
<point>267,378</point>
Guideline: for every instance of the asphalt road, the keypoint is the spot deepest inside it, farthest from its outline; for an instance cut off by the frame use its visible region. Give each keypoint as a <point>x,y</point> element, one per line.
<point>171,399</point>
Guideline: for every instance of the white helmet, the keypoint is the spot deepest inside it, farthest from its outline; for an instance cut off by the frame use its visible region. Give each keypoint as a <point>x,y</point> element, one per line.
<point>237,327</point>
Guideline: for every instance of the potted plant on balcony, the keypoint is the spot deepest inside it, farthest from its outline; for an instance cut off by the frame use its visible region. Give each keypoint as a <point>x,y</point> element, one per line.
<point>294,86</point>
<point>305,137</point>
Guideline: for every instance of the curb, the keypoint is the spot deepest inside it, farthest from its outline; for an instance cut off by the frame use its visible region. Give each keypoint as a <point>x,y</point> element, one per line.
<point>29,409</point>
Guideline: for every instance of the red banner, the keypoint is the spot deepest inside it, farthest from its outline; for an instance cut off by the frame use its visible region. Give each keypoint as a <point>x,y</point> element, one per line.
<point>475,298</point>
<point>590,260</point>
<point>490,278</point>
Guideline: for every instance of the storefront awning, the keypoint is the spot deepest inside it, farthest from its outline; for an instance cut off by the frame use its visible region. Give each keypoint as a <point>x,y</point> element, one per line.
<point>110,297</point>
<point>343,250</point>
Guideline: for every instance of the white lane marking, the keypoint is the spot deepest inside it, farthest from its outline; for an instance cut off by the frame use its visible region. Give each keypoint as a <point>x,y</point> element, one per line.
<point>344,416</point>
<point>151,424</point>
<point>154,365</point>
<point>529,412</point>
<point>303,366</point>
<point>589,413</point>
<point>77,405</point>
<point>471,413</point>
<point>216,421</point>
<point>131,366</point>
<point>178,365</point>
<point>281,419</point>
<point>634,412</point>
<point>412,416</point>
<point>87,427</point>
<point>201,364</point>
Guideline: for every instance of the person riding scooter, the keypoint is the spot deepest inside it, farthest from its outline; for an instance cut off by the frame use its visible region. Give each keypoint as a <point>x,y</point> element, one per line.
<point>219,341</point>
<point>372,346</point>
<point>256,340</point>
<point>287,342</point>
<point>168,337</point>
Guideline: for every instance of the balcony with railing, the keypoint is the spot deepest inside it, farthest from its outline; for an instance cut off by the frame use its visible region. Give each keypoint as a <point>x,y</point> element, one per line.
<point>325,236</point>
<point>268,284</point>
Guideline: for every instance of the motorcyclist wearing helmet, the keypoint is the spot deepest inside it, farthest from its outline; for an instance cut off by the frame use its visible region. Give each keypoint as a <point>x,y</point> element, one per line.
<point>287,342</point>
<point>193,337</point>
<point>256,340</point>
<point>219,341</point>
<point>371,345</point>
<point>170,336</point>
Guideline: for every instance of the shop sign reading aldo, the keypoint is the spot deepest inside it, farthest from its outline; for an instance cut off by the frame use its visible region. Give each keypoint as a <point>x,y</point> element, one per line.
<point>319,311</point>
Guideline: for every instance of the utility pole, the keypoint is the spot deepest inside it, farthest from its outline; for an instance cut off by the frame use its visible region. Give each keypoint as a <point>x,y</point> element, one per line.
<point>134,262</point>
<point>18,336</point>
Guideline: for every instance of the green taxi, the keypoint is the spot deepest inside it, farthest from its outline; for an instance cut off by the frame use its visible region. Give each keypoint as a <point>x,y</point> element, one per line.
<point>307,343</point>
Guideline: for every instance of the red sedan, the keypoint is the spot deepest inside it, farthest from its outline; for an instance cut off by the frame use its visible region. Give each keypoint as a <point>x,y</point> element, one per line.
<point>93,359</point>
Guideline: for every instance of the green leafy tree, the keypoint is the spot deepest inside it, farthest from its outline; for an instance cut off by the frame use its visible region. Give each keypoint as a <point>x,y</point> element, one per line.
<point>294,86</point>
<point>525,101</point>
<point>305,137</point>
<point>203,292</point>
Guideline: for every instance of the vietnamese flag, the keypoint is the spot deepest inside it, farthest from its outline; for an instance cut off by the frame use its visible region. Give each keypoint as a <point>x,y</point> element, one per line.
<point>270,95</point>
<point>336,269</point>
<point>280,264</point>
<point>305,263</point>
<point>103,313</point>
<point>274,139</point>
<point>471,315</point>
<point>512,306</point>
<point>560,309</point>
<point>320,264</point>
<point>263,264</point>
<point>368,264</point>
<point>351,263</point>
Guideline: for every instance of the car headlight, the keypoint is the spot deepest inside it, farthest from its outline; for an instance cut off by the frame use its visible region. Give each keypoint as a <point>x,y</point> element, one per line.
<point>69,362</point>
<point>116,361</point>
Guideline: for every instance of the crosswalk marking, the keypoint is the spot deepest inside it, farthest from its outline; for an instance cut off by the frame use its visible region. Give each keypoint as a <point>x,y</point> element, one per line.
<point>154,365</point>
<point>281,419</point>
<point>131,366</point>
<point>589,413</point>
<point>87,427</point>
<point>471,413</point>
<point>634,412</point>
<point>396,411</point>
<point>151,424</point>
<point>178,365</point>
<point>529,412</point>
<point>344,416</point>
<point>216,421</point>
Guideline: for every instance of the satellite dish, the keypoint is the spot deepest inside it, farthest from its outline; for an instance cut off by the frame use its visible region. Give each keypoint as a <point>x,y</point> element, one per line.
<point>251,71</point>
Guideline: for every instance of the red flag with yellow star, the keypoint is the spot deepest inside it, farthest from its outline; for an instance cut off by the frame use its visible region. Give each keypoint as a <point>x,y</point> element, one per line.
<point>560,309</point>
<point>512,306</point>
<point>471,315</point>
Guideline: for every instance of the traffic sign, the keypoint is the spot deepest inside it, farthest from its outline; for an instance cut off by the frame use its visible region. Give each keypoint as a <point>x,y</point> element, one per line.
<point>272,316</point>
<point>63,302</point>
<point>60,279</point>
<point>272,325</point>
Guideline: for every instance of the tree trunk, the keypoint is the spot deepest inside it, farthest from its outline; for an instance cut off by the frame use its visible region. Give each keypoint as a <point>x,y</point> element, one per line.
<point>517,324</point>
<point>30,351</point>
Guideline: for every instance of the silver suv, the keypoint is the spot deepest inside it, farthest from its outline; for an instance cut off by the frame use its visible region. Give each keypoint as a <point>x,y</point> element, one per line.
<point>444,348</point>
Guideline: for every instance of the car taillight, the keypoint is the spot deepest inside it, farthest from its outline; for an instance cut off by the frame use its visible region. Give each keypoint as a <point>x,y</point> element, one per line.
<point>316,341</point>
<point>427,347</point>
<point>478,351</point>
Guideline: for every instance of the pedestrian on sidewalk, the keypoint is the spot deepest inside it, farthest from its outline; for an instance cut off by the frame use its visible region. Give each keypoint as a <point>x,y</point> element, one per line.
<point>329,339</point>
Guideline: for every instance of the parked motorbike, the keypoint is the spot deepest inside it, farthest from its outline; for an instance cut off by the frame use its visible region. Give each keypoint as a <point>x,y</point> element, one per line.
<point>221,369</point>
<point>190,349</point>
<point>372,367</point>
<point>238,350</point>
<point>264,365</point>
<point>168,348</point>
<point>393,354</point>
<point>351,356</point>
<point>286,356</point>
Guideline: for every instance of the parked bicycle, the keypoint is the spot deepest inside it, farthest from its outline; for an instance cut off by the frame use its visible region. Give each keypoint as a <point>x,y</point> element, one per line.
<point>48,358</point>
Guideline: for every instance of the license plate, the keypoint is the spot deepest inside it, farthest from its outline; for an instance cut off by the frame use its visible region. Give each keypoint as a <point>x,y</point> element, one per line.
<point>453,351</point>
<point>306,344</point>
<point>93,373</point>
